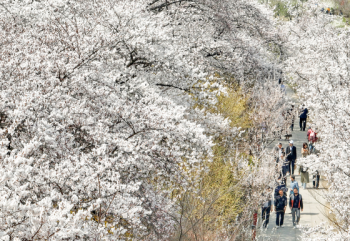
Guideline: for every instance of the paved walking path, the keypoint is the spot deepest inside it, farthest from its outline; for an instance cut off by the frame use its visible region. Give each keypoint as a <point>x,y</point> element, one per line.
<point>314,210</point>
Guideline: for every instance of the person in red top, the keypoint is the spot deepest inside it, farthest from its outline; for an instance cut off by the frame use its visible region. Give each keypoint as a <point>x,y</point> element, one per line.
<point>308,133</point>
<point>311,135</point>
<point>312,138</point>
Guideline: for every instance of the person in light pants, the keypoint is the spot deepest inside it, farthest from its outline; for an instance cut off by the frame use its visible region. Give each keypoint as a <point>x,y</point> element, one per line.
<point>295,204</point>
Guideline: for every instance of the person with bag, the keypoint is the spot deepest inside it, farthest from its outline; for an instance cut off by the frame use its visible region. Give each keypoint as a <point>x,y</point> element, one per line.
<point>312,135</point>
<point>304,174</point>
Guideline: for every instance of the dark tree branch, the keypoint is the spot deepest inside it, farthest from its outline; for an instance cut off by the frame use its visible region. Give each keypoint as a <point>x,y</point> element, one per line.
<point>172,86</point>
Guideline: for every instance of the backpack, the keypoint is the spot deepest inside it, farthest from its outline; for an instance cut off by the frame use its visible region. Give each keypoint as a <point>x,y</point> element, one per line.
<point>302,169</point>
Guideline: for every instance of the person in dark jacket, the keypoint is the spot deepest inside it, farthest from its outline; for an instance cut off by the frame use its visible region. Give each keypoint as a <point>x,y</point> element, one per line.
<point>281,186</point>
<point>291,117</point>
<point>291,152</point>
<point>266,209</point>
<point>280,208</point>
<point>303,117</point>
<point>316,179</point>
<point>295,204</point>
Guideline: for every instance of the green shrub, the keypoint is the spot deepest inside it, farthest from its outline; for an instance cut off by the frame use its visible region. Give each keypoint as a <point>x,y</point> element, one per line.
<point>280,9</point>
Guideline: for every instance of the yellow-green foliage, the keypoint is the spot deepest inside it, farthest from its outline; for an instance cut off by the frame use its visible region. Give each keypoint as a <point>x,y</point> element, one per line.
<point>219,199</point>
<point>217,202</point>
<point>223,177</point>
<point>234,105</point>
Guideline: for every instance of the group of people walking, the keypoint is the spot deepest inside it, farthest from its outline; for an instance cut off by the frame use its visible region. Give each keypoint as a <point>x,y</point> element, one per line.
<point>281,202</point>
<point>295,203</point>
<point>286,157</point>
<point>285,166</point>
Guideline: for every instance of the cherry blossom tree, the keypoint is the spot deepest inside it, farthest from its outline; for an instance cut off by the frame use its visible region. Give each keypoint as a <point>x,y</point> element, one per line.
<point>318,67</point>
<point>99,128</point>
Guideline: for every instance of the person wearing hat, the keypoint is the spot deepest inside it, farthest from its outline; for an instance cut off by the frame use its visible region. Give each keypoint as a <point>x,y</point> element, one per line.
<point>291,153</point>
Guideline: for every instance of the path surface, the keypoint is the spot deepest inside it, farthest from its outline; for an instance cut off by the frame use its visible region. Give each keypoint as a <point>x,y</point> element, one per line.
<point>314,211</point>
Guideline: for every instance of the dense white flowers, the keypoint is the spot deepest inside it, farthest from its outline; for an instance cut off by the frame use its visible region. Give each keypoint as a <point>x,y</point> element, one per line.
<point>98,124</point>
<point>318,65</point>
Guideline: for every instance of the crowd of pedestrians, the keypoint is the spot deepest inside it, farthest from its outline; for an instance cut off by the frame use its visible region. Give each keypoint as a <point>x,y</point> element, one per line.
<point>286,164</point>
<point>332,11</point>
<point>280,203</point>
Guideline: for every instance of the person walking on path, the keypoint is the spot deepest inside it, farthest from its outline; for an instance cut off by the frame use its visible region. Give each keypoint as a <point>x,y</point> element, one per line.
<point>280,185</point>
<point>302,170</point>
<point>278,152</point>
<point>312,138</point>
<point>285,163</point>
<point>304,174</point>
<point>291,117</point>
<point>293,184</point>
<point>295,204</point>
<point>303,117</point>
<point>316,179</point>
<point>309,130</point>
<point>280,208</point>
<point>305,150</point>
<point>266,209</point>
<point>291,153</point>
